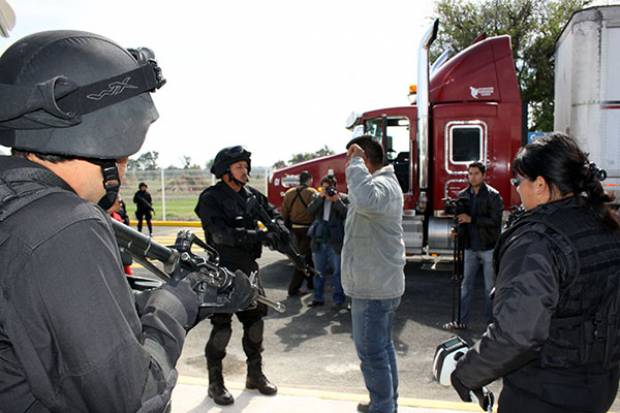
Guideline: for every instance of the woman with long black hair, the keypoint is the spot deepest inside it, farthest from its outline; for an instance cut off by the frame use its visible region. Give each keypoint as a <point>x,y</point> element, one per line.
<point>555,334</point>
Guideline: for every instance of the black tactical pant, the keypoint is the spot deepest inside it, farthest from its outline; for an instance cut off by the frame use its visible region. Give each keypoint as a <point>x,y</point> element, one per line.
<point>252,341</point>
<point>144,215</point>
<point>593,393</point>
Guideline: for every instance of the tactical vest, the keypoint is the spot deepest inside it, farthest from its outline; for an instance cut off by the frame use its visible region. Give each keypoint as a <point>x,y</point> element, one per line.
<point>585,328</point>
<point>17,189</point>
<point>20,187</point>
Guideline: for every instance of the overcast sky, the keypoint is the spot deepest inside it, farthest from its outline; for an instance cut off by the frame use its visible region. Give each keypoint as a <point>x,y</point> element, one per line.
<point>279,77</point>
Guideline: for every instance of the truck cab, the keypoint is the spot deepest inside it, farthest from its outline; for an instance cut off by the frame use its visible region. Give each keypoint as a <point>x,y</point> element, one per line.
<point>470,111</point>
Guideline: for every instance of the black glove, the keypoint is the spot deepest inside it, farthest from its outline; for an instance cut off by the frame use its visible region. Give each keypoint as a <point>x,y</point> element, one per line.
<point>237,295</point>
<point>241,294</point>
<point>461,389</point>
<point>178,299</point>
<point>484,397</point>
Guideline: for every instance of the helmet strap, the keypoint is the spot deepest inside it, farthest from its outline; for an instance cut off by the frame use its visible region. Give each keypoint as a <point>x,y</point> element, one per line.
<point>235,180</point>
<point>111,182</point>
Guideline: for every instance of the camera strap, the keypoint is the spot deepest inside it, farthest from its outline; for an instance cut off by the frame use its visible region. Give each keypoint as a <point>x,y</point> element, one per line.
<point>298,196</point>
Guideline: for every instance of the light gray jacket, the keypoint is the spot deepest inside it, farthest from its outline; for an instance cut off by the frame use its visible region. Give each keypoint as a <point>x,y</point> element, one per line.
<point>373,254</point>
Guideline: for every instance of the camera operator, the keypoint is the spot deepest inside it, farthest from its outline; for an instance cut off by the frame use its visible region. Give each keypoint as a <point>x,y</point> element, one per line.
<point>327,234</point>
<point>555,337</point>
<point>74,107</point>
<point>480,226</point>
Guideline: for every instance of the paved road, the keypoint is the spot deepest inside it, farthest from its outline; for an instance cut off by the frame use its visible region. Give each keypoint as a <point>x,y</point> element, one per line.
<point>311,348</point>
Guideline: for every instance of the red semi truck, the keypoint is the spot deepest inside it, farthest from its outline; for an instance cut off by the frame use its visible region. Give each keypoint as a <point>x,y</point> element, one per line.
<point>468,109</point>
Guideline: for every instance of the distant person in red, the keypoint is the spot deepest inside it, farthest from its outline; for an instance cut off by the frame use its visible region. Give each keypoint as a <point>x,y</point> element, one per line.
<point>117,212</point>
<point>123,211</point>
<point>144,207</point>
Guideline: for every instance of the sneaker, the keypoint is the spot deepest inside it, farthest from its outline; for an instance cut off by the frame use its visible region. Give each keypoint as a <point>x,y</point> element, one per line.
<point>455,325</point>
<point>316,303</point>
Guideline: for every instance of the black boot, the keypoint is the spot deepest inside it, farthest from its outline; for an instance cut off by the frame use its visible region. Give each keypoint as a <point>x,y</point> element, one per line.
<point>257,380</point>
<point>217,390</point>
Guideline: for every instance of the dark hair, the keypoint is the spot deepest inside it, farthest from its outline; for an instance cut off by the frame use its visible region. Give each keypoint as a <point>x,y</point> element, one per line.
<point>479,165</point>
<point>373,150</point>
<point>142,184</point>
<point>329,179</point>
<point>557,158</point>
<point>43,156</point>
<point>304,177</point>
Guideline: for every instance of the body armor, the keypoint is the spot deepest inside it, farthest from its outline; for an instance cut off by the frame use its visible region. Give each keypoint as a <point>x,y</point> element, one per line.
<point>585,329</point>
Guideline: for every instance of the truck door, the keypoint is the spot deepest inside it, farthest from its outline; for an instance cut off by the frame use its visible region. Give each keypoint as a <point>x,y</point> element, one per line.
<point>464,142</point>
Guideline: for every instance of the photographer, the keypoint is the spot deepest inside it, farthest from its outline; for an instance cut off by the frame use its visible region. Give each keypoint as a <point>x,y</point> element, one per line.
<point>479,217</point>
<point>554,338</point>
<point>327,232</point>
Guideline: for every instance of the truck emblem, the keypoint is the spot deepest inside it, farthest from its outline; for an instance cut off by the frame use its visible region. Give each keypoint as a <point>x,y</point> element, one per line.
<point>478,92</point>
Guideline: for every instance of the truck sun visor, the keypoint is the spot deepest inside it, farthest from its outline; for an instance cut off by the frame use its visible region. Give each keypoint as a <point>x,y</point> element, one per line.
<point>59,102</point>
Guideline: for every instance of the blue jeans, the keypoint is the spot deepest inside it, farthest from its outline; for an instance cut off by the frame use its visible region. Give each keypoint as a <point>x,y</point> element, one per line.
<point>473,260</point>
<point>372,322</point>
<point>323,257</point>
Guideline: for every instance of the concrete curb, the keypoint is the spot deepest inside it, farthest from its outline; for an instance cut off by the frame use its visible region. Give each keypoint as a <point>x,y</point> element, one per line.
<point>342,396</point>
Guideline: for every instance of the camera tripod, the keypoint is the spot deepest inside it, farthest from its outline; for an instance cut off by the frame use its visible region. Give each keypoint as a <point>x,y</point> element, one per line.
<point>457,273</point>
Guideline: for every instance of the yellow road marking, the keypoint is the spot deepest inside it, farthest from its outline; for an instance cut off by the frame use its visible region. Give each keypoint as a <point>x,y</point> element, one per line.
<point>332,395</point>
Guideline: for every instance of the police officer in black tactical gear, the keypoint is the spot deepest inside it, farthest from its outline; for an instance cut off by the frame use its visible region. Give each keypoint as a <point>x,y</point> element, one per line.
<point>555,334</point>
<point>231,227</point>
<point>73,338</point>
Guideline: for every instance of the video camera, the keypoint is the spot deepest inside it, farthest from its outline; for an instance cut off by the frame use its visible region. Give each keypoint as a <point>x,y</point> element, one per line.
<point>456,206</point>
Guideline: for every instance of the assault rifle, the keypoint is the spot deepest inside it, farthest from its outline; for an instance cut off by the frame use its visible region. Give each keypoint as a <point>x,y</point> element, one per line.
<point>217,284</point>
<point>281,237</point>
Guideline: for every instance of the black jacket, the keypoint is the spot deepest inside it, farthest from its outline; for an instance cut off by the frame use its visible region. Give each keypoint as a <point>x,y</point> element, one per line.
<point>544,276</point>
<point>70,337</point>
<point>487,219</point>
<point>143,201</point>
<point>229,226</point>
<point>335,225</point>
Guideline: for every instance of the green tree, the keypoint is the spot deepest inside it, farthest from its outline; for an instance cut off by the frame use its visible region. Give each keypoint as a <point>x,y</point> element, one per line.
<point>533,26</point>
<point>300,157</point>
<point>278,165</point>
<point>324,151</point>
<point>148,161</point>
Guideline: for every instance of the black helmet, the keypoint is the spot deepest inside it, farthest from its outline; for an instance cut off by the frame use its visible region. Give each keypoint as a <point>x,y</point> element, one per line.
<point>229,156</point>
<point>76,94</point>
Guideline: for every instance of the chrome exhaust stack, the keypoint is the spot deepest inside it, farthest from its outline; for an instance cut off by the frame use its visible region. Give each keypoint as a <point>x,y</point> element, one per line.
<point>423,98</point>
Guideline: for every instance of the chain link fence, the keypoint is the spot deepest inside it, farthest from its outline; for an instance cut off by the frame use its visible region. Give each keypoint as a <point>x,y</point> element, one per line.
<point>175,191</point>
